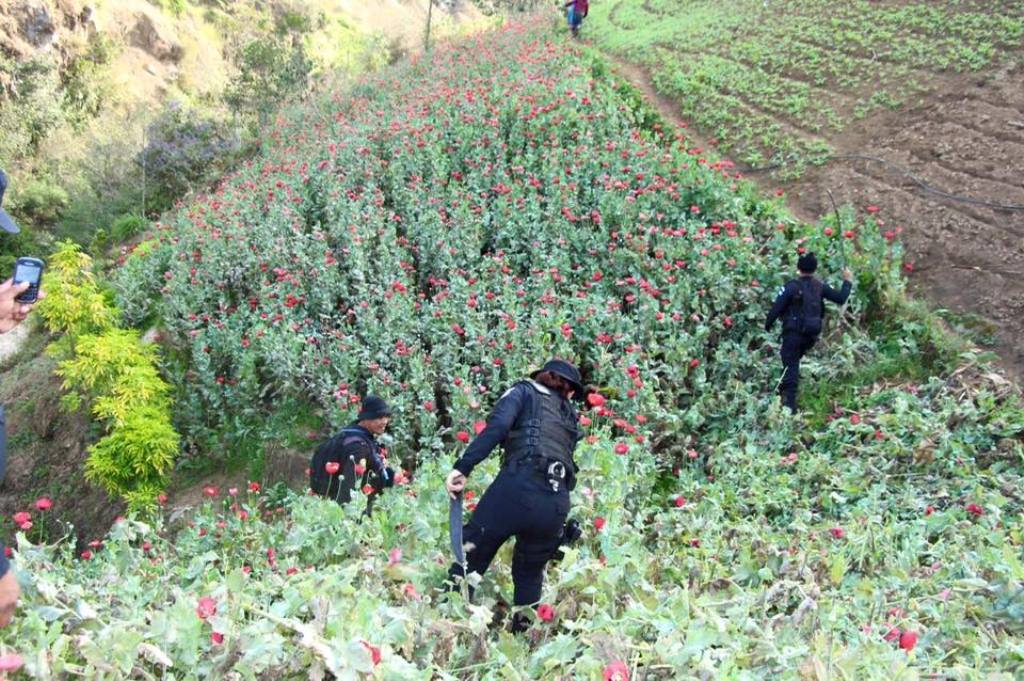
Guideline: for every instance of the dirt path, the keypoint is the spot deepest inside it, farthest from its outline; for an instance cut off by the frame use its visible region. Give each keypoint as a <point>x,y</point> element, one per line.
<point>669,110</point>
<point>12,341</point>
<point>967,139</point>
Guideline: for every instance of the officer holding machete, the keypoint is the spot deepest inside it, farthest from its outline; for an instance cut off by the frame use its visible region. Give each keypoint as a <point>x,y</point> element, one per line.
<point>538,427</point>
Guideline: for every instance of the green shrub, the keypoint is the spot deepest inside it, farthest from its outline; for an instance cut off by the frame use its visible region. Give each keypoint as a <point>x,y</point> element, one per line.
<point>74,304</point>
<point>185,148</point>
<point>271,70</point>
<point>40,201</point>
<point>133,460</point>
<point>85,87</point>
<point>29,106</point>
<point>128,226</point>
<point>110,369</point>
<point>175,7</point>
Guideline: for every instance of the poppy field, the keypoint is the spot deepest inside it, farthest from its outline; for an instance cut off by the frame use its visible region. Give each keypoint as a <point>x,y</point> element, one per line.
<point>435,234</point>
<point>775,81</point>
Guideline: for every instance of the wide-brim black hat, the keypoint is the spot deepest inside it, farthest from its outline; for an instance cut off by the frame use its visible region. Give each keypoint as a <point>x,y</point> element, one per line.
<point>564,370</point>
<point>374,407</point>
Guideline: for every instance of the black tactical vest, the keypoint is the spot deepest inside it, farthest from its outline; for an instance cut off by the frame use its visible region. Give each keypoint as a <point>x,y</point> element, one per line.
<point>549,429</point>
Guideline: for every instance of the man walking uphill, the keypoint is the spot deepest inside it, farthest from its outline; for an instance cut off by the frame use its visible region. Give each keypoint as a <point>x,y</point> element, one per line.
<point>537,426</point>
<point>577,11</point>
<point>801,305</point>
<point>352,453</point>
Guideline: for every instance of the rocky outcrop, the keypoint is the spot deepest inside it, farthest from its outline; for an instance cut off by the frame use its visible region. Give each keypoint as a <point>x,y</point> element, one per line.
<point>29,28</point>
<point>152,35</point>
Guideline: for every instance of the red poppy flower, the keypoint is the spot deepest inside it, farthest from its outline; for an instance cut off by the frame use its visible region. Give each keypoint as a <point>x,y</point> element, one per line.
<point>462,436</point>
<point>621,448</point>
<point>44,504</point>
<point>87,555</point>
<point>545,612</point>
<point>211,491</point>
<point>10,662</point>
<point>837,532</point>
<point>975,510</point>
<point>332,467</point>
<point>374,653</point>
<point>479,426</point>
<point>680,501</point>
<point>207,607</point>
<point>599,523</point>
<point>22,517</point>
<point>216,638</point>
<point>908,639</point>
<point>616,670</point>
<point>254,487</point>
<point>595,399</point>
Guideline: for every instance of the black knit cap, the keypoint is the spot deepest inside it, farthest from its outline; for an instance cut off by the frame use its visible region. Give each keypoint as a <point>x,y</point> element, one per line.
<point>807,262</point>
<point>563,369</point>
<point>373,407</point>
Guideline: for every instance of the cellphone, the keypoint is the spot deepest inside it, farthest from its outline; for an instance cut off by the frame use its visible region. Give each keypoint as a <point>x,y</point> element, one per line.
<point>30,270</point>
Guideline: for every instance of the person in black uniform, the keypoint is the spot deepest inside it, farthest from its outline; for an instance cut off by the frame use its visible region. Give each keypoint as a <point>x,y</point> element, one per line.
<point>538,427</point>
<point>800,304</point>
<point>352,454</point>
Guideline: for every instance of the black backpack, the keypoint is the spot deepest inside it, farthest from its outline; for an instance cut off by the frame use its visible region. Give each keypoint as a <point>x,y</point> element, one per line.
<point>319,480</point>
<point>811,308</point>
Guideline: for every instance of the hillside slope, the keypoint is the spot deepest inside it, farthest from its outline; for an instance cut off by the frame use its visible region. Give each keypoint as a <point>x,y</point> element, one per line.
<point>102,72</point>
<point>433,235</point>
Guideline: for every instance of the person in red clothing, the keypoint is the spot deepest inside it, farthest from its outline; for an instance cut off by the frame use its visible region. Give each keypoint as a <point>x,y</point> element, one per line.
<point>578,9</point>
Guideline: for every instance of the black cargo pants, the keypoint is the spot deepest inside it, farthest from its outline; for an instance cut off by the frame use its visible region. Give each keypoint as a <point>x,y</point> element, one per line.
<point>794,346</point>
<point>519,503</point>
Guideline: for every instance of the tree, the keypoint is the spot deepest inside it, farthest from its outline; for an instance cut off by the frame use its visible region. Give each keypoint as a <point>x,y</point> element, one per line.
<point>271,69</point>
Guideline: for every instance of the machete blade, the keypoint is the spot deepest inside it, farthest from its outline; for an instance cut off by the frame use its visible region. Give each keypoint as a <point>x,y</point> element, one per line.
<point>455,527</point>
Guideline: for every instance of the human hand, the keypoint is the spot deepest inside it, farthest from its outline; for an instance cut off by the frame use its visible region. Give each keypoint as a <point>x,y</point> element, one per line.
<point>12,312</point>
<point>455,482</point>
<point>847,274</point>
<point>9,592</point>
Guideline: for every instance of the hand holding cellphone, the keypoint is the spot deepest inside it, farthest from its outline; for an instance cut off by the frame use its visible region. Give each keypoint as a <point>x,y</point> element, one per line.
<point>28,270</point>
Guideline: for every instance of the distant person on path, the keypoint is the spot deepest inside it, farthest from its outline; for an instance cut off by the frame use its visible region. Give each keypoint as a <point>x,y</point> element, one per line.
<point>801,305</point>
<point>538,427</point>
<point>577,11</point>
<point>12,313</point>
<point>353,453</point>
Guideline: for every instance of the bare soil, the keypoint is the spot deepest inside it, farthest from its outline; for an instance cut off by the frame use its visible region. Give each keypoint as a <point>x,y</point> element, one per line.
<point>46,452</point>
<point>965,138</point>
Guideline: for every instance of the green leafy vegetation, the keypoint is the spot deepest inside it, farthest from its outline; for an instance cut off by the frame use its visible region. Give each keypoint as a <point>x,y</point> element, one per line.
<point>773,81</point>
<point>432,235</point>
<point>108,368</point>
